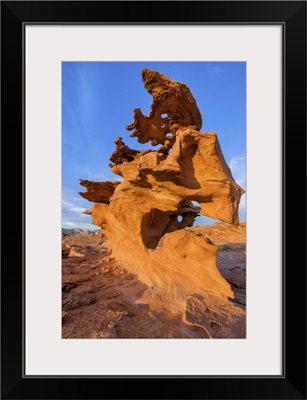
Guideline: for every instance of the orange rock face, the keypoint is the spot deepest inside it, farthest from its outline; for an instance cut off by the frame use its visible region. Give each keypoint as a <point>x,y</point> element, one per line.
<point>146,217</point>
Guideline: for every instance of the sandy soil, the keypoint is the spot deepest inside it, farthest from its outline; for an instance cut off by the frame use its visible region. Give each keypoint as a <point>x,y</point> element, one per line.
<point>99,298</point>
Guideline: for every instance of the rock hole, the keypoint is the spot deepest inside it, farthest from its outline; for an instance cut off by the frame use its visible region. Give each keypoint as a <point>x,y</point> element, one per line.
<point>198,217</point>
<point>180,218</point>
<point>164,115</point>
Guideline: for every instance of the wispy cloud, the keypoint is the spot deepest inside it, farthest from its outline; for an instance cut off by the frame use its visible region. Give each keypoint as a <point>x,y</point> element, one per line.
<point>215,70</point>
<point>103,174</point>
<point>72,212</point>
<point>67,206</point>
<point>238,169</point>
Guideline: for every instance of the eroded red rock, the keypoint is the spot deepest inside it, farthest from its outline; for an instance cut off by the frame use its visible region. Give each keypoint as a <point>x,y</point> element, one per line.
<point>146,216</point>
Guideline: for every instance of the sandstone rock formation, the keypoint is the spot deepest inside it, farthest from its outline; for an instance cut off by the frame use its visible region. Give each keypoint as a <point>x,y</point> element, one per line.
<point>114,312</point>
<point>146,216</point>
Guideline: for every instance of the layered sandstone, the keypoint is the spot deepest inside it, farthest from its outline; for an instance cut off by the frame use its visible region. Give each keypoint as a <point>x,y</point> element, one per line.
<point>146,217</point>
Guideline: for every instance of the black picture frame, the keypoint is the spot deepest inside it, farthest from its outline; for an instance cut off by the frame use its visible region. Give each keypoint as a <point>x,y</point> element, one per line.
<point>292,16</point>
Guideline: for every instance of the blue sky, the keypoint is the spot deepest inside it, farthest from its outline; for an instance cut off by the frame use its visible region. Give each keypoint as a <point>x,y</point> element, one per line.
<point>98,99</point>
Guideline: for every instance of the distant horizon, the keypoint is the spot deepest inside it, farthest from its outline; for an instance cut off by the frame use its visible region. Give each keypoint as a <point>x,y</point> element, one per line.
<point>98,100</point>
<point>194,226</point>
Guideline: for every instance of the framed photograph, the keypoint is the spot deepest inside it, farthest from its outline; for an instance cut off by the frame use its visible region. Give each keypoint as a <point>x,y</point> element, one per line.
<point>163,155</point>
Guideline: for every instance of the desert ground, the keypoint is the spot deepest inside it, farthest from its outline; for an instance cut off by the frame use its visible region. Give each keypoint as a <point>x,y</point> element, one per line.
<point>99,298</point>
